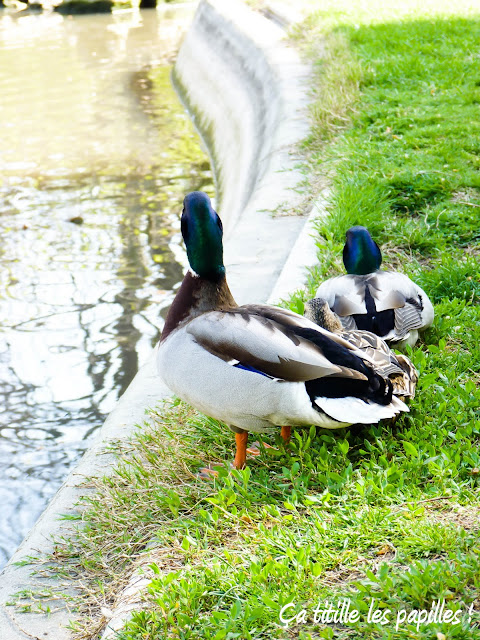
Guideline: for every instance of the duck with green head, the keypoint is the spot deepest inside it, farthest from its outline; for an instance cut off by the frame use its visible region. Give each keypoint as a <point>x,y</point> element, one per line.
<point>386,303</point>
<point>257,367</point>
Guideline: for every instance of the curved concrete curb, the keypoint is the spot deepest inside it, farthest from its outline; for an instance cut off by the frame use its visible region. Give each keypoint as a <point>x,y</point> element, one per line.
<point>247,91</point>
<point>245,87</point>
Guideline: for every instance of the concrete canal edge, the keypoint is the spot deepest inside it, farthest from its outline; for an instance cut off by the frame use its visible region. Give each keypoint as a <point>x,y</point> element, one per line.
<point>247,90</point>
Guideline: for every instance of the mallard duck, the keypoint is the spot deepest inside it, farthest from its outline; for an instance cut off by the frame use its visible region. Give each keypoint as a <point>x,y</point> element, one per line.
<point>259,367</point>
<point>396,367</point>
<point>386,303</point>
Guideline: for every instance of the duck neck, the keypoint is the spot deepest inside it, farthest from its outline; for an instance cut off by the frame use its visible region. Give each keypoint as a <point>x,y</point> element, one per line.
<point>197,296</point>
<point>318,311</point>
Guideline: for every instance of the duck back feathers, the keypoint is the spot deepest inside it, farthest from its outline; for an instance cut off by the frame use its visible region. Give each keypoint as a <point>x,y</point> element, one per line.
<point>268,341</point>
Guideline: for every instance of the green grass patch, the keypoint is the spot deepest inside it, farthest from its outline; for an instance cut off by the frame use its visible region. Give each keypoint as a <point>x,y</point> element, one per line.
<point>385,516</point>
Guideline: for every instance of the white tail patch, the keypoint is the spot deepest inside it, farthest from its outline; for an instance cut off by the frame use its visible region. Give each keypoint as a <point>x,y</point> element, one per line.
<point>354,410</point>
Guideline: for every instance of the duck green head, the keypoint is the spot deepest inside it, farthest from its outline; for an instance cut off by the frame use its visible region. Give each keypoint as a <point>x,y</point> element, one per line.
<point>202,232</point>
<point>361,254</point>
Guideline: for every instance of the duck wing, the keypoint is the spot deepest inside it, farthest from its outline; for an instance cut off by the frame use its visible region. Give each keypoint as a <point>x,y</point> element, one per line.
<point>415,310</point>
<point>282,345</point>
<point>405,385</point>
<point>288,347</point>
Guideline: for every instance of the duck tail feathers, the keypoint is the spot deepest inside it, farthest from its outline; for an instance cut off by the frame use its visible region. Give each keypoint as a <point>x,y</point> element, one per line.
<point>358,411</point>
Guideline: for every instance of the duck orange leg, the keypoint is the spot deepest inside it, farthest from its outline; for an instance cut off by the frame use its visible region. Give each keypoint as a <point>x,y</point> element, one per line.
<point>240,457</point>
<point>241,452</point>
<point>254,449</point>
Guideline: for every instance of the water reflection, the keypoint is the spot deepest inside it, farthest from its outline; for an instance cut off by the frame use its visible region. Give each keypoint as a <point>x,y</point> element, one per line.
<point>95,156</point>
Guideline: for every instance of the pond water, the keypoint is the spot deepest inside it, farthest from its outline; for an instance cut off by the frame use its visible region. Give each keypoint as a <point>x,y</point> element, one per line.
<point>96,154</point>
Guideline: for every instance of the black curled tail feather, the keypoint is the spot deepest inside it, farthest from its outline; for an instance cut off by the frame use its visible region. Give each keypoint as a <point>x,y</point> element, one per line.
<point>381,388</point>
<point>385,387</point>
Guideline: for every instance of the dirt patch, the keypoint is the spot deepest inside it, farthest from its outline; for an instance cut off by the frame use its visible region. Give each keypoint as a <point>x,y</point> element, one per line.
<point>466,517</point>
<point>469,196</point>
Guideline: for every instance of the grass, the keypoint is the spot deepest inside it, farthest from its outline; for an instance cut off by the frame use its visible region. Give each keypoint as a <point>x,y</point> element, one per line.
<point>385,516</point>
<point>378,513</point>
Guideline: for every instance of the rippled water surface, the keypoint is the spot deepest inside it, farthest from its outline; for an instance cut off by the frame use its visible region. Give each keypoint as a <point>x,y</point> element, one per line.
<point>95,156</point>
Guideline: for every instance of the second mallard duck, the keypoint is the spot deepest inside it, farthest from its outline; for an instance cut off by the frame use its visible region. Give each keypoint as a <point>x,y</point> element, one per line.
<point>258,367</point>
<point>386,303</point>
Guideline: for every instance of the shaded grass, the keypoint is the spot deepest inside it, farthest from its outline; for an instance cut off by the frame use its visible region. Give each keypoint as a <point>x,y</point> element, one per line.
<point>412,147</point>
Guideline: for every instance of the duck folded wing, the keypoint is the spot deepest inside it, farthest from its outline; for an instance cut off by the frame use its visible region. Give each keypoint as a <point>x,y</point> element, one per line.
<point>290,321</point>
<point>389,290</point>
<point>392,290</point>
<point>408,317</point>
<point>378,352</point>
<point>412,308</point>
<point>409,380</point>
<point>346,294</point>
<point>293,353</point>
